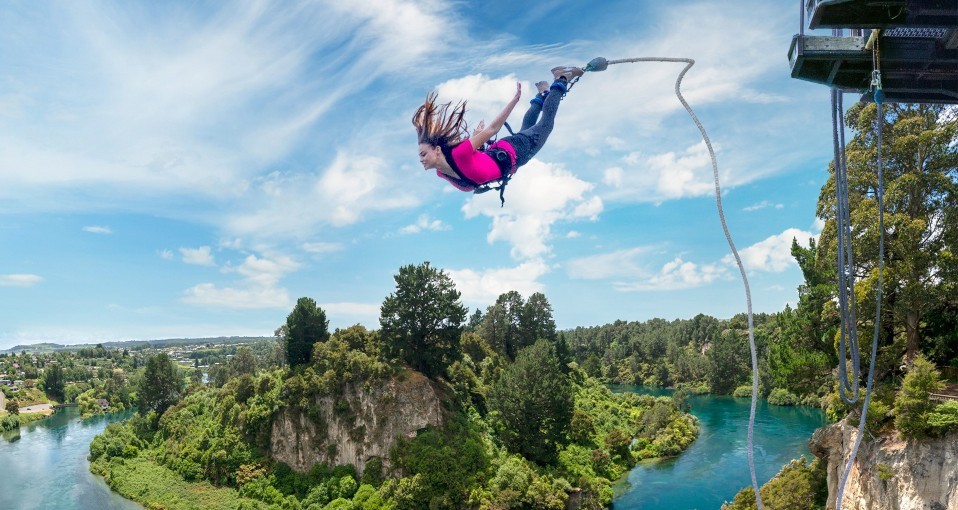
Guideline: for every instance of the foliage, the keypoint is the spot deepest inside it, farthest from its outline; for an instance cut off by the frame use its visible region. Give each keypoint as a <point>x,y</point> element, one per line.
<point>912,404</point>
<point>421,322</point>
<point>513,323</point>
<point>156,486</point>
<point>782,397</point>
<point>53,381</point>
<point>743,391</point>
<point>160,387</point>
<point>800,485</point>
<point>533,399</point>
<point>448,462</point>
<point>943,418</point>
<point>305,326</point>
<point>15,421</point>
<point>920,157</point>
<point>885,472</point>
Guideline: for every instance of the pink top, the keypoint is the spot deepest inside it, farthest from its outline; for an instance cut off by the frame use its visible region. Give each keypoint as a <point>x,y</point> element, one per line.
<point>477,165</point>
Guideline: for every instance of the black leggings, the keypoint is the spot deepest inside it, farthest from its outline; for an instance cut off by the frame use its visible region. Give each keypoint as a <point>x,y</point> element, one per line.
<point>532,136</point>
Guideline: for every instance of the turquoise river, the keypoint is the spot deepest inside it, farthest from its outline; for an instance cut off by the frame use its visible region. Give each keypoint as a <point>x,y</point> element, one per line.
<point>715,467</point>
<point>44,465</point>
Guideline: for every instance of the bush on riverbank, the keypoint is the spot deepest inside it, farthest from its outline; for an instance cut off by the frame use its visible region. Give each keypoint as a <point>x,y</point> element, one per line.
<point>782,397</point>
<point>15,421</point>
<point>800,485</point>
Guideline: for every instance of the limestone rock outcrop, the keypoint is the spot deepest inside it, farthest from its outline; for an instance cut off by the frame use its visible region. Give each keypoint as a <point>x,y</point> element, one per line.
<point>359,424</point>
<point>889,473</point>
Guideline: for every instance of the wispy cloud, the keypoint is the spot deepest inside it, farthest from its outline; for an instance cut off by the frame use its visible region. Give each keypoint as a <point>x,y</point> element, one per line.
<point>423,223</point>
<point>617,264</point>
<point>764,204</point>
<point>19,280</point>
<point>166,254</point>
<point>98,230</point>
<point>201,256</point>
<point>319,248</point>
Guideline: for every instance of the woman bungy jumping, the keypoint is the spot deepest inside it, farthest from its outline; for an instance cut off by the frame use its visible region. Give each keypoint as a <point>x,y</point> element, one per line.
<point>466,162</point>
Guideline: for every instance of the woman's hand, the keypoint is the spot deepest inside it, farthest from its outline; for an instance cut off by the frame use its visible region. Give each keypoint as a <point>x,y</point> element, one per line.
<point>479,127</point>
<point>481,136</point>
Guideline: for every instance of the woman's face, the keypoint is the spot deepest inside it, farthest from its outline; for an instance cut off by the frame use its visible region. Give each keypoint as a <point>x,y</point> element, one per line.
<point>429,155</point>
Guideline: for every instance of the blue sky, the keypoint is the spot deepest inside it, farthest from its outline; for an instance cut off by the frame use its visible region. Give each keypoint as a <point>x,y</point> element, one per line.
<point>190,169</point>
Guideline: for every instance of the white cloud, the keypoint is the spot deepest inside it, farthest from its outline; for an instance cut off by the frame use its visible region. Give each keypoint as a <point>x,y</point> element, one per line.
<point>145,109</point>
<point>573,234</point>
<point>481,288</point>
<point>294,205</point>
<point>678,274</point>
<point>484,95</point>
<point>257,289</point>
<point>209,295</point>
<point>617,264</point>
<point>537,197</point>
<point>97,230</point>
<point>201,256</point>
<point>19,280</point>
<point>772,255</point>
<point>762,205</point>
<point>166,254</point>
<point>817,225</point>
<point>365,312</point>
<point>424,223</point>
<point>320,248</point>
<point>663,176</point>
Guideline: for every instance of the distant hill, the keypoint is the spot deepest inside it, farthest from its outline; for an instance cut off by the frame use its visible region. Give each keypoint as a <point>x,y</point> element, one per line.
<point>135,344</point>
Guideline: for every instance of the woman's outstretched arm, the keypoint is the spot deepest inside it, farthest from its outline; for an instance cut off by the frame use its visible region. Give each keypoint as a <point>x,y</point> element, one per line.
<point>479,139</point>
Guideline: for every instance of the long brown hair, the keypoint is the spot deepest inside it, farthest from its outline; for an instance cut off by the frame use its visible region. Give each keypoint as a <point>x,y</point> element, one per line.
<point>440,124</point>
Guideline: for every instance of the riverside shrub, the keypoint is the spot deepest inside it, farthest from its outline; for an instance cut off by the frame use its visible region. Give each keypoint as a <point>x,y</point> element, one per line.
<point>782,397</point>
<point>912,404</point>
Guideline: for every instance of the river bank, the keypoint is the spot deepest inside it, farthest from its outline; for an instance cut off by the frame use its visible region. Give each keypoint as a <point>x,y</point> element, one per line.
<point>44,465</point>
<point>715,467</point>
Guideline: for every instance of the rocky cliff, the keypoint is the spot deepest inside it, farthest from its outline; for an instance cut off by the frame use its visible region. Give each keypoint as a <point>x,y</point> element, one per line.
<point>358,424</point>
<point>889,473</point>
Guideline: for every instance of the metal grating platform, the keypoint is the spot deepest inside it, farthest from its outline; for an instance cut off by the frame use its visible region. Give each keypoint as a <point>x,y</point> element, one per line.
<point>868,14</point>
<point>914,69</point>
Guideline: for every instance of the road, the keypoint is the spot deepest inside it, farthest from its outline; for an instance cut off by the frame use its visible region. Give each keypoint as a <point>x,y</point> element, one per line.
<point>36,408</point>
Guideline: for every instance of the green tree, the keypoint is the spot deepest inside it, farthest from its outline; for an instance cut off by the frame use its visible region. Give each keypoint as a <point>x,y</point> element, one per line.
<point>53,381</point>
<point>534,400</point>
<point>536,319</point>
<point>243,363</point>
<point>160,387</point>
<point>729,360</point>
<point>421,322</point>
<point>12,406</point>
<point>920,156</point>
<point>502,325</point>
<point>305,326</point>
<point>912,404</point>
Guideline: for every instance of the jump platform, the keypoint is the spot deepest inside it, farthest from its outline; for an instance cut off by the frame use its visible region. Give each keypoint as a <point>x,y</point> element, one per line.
<point>917,41</point>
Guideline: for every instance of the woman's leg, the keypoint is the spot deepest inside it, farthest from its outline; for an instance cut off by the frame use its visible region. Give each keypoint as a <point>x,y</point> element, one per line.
<point>532,114</point>
<point>539,132</point>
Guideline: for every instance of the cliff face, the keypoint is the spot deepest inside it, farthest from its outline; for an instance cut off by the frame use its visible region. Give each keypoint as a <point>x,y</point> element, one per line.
<point>357,425</point>
<point>889,473</point>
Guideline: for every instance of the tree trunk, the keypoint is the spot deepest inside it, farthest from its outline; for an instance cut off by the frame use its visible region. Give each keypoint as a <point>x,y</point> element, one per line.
<point>911,336</point>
